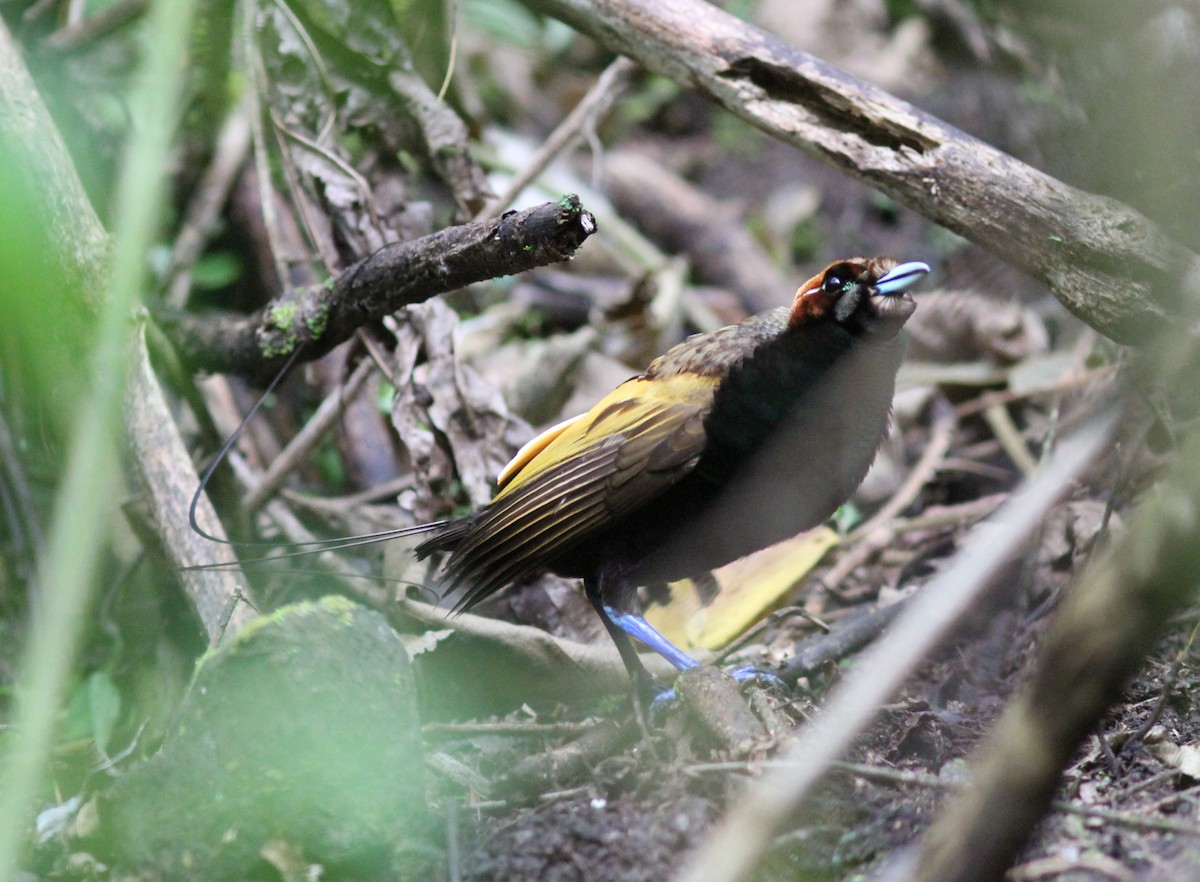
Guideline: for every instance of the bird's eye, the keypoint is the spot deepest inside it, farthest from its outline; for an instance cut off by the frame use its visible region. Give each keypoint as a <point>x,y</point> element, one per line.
<point>833,283</point>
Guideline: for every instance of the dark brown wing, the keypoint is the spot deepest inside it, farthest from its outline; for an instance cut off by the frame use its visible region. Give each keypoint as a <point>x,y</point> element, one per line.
<point>632,446</point>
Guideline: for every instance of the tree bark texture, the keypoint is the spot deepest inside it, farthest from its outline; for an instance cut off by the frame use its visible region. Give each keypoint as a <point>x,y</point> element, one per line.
<point>1106,263</point>
<point>321,316</point>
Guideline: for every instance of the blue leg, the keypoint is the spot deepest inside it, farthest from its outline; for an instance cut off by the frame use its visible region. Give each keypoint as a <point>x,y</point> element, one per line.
<point>643,684</point>
<point>743,675</point>
<point>622,626</point>
<point>639,629</point>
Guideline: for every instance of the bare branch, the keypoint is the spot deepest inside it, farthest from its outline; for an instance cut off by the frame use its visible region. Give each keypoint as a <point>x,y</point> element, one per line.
<point>1107,263</point>
<point>219,596</point>
<point>926,622</point>
<point>321,316</point>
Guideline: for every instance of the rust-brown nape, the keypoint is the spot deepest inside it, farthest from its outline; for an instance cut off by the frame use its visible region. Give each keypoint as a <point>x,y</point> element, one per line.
<point>813,302</point>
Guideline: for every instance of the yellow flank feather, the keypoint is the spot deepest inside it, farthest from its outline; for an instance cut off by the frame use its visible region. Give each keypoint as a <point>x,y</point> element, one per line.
<point>628,410</point>
<point>747,590</point>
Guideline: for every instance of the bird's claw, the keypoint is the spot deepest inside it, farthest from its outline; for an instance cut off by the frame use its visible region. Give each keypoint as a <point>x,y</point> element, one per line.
<point>748,674</point>
<point>659,704</point>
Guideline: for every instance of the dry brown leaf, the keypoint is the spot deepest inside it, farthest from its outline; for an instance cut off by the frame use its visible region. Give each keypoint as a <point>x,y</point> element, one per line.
<point>452,424</point>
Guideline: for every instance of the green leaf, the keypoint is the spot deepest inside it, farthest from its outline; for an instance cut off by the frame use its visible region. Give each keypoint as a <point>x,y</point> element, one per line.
<point>104,703</point>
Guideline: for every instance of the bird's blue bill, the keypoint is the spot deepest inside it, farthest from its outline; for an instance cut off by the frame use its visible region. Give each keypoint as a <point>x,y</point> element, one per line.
<point>901,278</point>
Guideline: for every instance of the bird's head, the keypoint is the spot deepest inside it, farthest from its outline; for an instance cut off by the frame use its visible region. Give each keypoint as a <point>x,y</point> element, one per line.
<point>863,295</point>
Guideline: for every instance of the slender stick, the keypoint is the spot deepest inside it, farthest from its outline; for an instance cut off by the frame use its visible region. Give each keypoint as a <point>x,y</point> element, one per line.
<point>741,839</point>
<point>1104,261</point>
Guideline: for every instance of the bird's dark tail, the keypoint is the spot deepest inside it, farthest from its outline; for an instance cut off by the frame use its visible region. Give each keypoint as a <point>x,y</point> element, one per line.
<point>446,538</point>
<point>319,546</point>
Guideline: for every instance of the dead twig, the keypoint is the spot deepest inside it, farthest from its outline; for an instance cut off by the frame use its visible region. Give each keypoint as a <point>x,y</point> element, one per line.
<point>1104,261</point>
<point>713,706</point>
<point>1001,423</point>
<point>877,532</point>
<point>308,437</point>
<point>812,654</point>
<point>929,619</point>
<point>1133,820</point>
<point>582,119</point>
<point>680,217</point>
<point>567,763</point>
<point>1168,684</point>
<point>320,316</point>
<point>340,505</point>
<point>201,216</point>
<point>1098,638</point>
<point>1074,380</point>
<point>168,477</point>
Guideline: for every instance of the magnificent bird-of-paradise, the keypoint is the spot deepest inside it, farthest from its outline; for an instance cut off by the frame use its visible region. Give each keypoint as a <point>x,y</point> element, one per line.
<point>731,441</point>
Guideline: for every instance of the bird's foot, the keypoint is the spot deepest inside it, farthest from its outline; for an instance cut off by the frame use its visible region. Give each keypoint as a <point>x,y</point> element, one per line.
<point>711,708</point>
<point>667,697</point>
<point>649,699</point>
<point>664,700</point>
<point>754,674</point>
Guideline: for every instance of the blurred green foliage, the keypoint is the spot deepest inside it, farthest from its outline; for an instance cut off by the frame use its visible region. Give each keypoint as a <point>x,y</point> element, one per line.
<point>43,335</point>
